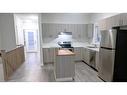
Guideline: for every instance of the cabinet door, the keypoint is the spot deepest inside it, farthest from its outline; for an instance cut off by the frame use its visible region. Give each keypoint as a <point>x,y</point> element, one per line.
<point>48,55</point>
<point>102,24</point>
<point>45,55</point>
<point>51,54</point>
<point>97,61</point>
<point>90,30</point>
<point>109,23</point>
<point>116,20</point>
<point>123,18</point>
<point>78,53</point>
<point>86,55</point>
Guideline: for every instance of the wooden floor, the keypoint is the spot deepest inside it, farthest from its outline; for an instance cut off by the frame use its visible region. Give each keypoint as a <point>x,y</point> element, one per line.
<point>32,71</point>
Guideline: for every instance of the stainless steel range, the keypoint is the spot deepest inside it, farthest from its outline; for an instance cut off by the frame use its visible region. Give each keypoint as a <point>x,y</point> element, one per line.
<point>66,45</point>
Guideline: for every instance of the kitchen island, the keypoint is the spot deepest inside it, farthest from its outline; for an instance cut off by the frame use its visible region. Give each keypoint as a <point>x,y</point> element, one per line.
<point>83,52</point>
<point>64,67</point>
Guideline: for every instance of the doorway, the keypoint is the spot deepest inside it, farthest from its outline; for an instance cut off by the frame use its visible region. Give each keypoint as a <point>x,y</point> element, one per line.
<point>28,33</point>
<point>30,40</point>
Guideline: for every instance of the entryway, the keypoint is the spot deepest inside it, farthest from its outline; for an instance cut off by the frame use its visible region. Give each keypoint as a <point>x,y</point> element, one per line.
<point>27,32</point>
<point>30,40</point>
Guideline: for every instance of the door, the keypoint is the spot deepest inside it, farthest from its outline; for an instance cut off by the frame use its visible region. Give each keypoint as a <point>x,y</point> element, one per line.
<point>106,64</point>
<point>108,38</point>
<point>30,40</point>
<point>120,71</point>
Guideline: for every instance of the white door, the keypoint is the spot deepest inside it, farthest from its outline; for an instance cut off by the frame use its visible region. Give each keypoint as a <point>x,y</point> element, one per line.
<point>30,40</point>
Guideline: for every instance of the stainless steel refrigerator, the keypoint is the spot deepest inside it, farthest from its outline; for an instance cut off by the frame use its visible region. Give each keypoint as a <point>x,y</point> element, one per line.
<point>113,55</point>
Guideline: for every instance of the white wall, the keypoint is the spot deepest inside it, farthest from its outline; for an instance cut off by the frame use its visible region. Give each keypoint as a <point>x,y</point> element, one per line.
<point>95,17</point>
<point>22,25</point>
<point>65,18</point>
<point>7,30</point>
<point>24,21</point>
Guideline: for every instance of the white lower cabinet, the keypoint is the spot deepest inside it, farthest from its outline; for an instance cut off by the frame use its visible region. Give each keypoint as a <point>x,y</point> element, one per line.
<point>81,54</point>
<point>86,55</point>
<point>64,68</point>
<point>48,55</point>
<point>78,53</point>
<point>1,72</point>
<point>97,61</point>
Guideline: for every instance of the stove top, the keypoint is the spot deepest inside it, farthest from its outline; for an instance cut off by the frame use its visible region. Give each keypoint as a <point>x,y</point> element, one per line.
<point>65,45</point>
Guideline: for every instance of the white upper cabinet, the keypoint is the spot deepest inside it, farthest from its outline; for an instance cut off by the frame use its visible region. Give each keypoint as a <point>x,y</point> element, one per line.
<point>102,24</point>
<point>108,23</point>
<point>114,21</point>
<point>123,18</point>
<point>90,30</point>
<point>89,33</point>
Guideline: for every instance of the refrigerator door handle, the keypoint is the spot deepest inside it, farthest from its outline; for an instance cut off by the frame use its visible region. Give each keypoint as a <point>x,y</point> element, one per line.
<point>108,48</point>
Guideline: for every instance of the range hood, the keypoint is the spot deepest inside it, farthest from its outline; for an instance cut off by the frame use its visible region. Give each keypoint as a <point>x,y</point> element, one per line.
<point>65,33</point>
<point>65,37</point>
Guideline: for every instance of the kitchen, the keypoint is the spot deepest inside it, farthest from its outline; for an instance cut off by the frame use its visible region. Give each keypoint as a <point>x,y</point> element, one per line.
<point>77,47</point>
<point>87,41</point>
<point>73,35</point>
<point>63,47</point>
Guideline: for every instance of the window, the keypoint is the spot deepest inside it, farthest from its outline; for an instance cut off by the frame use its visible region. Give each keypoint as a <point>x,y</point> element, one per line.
<point>96,35</point>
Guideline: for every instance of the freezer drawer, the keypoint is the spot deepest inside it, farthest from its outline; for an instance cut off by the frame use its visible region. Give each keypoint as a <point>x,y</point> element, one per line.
<point>106,64</point>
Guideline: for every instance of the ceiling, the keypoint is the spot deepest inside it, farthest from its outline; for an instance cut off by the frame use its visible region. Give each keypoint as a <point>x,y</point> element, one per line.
<point>88,17</point>
<point>27,16</point>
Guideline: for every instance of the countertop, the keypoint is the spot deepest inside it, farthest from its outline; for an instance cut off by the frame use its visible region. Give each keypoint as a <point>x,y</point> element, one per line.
<point>50,45</point>
<point>65,53</point>
<point>74,44</point>
<point>94,49</point>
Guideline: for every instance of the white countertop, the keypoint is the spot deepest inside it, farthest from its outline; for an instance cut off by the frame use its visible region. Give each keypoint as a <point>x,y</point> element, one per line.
<point>94,49</point>
<point>50,45</point>
<point>74,44</point>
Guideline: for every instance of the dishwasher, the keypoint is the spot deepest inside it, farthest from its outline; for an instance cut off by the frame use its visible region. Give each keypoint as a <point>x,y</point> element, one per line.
<point>92,56</point>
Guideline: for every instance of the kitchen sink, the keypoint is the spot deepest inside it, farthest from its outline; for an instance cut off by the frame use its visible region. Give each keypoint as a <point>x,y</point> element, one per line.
<point>91,46</point>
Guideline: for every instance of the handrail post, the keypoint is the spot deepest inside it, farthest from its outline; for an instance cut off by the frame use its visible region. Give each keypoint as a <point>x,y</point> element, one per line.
<point>3,55</point>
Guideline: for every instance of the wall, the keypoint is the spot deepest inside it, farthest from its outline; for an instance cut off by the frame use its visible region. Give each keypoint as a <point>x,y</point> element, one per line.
<point>7,30</point>
<point>95,17</point>
<point>65,18</point>
<point>21,25</point>
<point>26,22</point>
